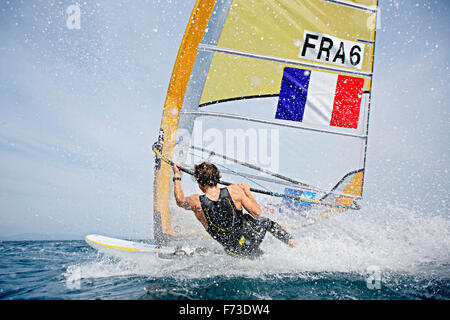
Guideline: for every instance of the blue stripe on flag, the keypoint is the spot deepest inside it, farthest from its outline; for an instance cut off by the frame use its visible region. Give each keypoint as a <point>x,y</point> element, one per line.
<point>293,94</point>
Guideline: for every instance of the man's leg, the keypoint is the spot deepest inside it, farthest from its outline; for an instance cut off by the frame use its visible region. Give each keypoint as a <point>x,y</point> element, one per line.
<point>260,225</point>
<point>278,232</point>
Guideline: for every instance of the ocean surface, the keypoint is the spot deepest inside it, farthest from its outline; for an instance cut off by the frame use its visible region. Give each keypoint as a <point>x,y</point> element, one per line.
<point>406,259</point>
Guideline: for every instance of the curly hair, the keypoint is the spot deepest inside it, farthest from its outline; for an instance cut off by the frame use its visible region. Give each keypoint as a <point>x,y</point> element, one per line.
<point>207,174</point>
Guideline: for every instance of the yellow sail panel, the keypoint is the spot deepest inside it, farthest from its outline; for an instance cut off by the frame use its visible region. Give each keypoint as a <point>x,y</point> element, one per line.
<point>275,30</point>
<point>233,76</point>
<point>368,3</point>
<point>354,188</point>
<point>237,76</point>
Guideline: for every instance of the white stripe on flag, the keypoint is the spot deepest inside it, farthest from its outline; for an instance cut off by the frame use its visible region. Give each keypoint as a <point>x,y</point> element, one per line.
<point>320,100</point>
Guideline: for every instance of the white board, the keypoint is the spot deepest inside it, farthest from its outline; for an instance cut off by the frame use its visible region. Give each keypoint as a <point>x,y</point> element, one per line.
<point>119,247</point>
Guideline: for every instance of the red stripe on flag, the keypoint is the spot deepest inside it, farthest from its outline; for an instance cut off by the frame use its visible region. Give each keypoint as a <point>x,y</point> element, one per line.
<point>347,102</point>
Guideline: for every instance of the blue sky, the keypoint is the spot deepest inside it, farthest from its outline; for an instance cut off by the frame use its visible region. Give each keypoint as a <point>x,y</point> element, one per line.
<point>80,109</point>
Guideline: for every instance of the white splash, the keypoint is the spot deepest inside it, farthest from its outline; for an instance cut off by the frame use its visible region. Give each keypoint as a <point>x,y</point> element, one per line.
<point>387,236</point>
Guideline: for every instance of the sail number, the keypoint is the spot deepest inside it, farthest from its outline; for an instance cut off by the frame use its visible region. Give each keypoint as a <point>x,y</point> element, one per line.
<point>324,48</point>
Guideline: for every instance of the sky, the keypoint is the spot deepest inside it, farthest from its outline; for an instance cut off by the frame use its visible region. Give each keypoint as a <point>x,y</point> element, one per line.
<point>80,109</point>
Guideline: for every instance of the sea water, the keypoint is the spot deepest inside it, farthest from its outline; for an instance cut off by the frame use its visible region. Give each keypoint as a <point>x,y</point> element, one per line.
<point>405,255</point>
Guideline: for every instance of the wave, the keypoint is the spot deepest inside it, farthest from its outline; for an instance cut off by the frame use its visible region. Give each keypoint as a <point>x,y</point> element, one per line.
<point>389,237</point>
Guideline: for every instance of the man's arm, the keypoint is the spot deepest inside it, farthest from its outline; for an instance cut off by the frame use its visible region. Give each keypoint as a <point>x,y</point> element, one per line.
<point>188,203</point>
<point>248,202</point>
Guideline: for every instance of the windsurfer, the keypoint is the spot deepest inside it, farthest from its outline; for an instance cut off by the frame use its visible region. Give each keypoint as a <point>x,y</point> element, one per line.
<point>220,210</point>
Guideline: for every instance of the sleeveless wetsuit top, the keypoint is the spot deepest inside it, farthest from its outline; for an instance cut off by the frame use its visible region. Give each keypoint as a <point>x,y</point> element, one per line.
<point>239,233</point>
<point>224,219</point>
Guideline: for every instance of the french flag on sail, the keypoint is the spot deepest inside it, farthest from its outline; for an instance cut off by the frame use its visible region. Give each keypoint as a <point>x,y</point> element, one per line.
<point>320,98</point>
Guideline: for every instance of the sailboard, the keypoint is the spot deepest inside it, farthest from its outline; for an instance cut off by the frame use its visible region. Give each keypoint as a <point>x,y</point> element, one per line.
<point>119,247</point>
<point>277,94</point>
<point>131,248</point>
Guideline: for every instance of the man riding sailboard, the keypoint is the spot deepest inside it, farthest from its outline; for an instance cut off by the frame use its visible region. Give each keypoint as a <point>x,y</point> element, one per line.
<point>220,210</point>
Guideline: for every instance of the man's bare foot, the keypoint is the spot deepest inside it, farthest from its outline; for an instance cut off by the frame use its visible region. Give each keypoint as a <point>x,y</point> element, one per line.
<point>292,243</point>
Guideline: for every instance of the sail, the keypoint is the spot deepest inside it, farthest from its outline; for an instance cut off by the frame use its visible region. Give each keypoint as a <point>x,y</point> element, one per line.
<point>277,94</point>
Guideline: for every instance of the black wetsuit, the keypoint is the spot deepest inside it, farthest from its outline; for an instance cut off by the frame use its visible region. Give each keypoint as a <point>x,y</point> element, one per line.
<point>239,233</point>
